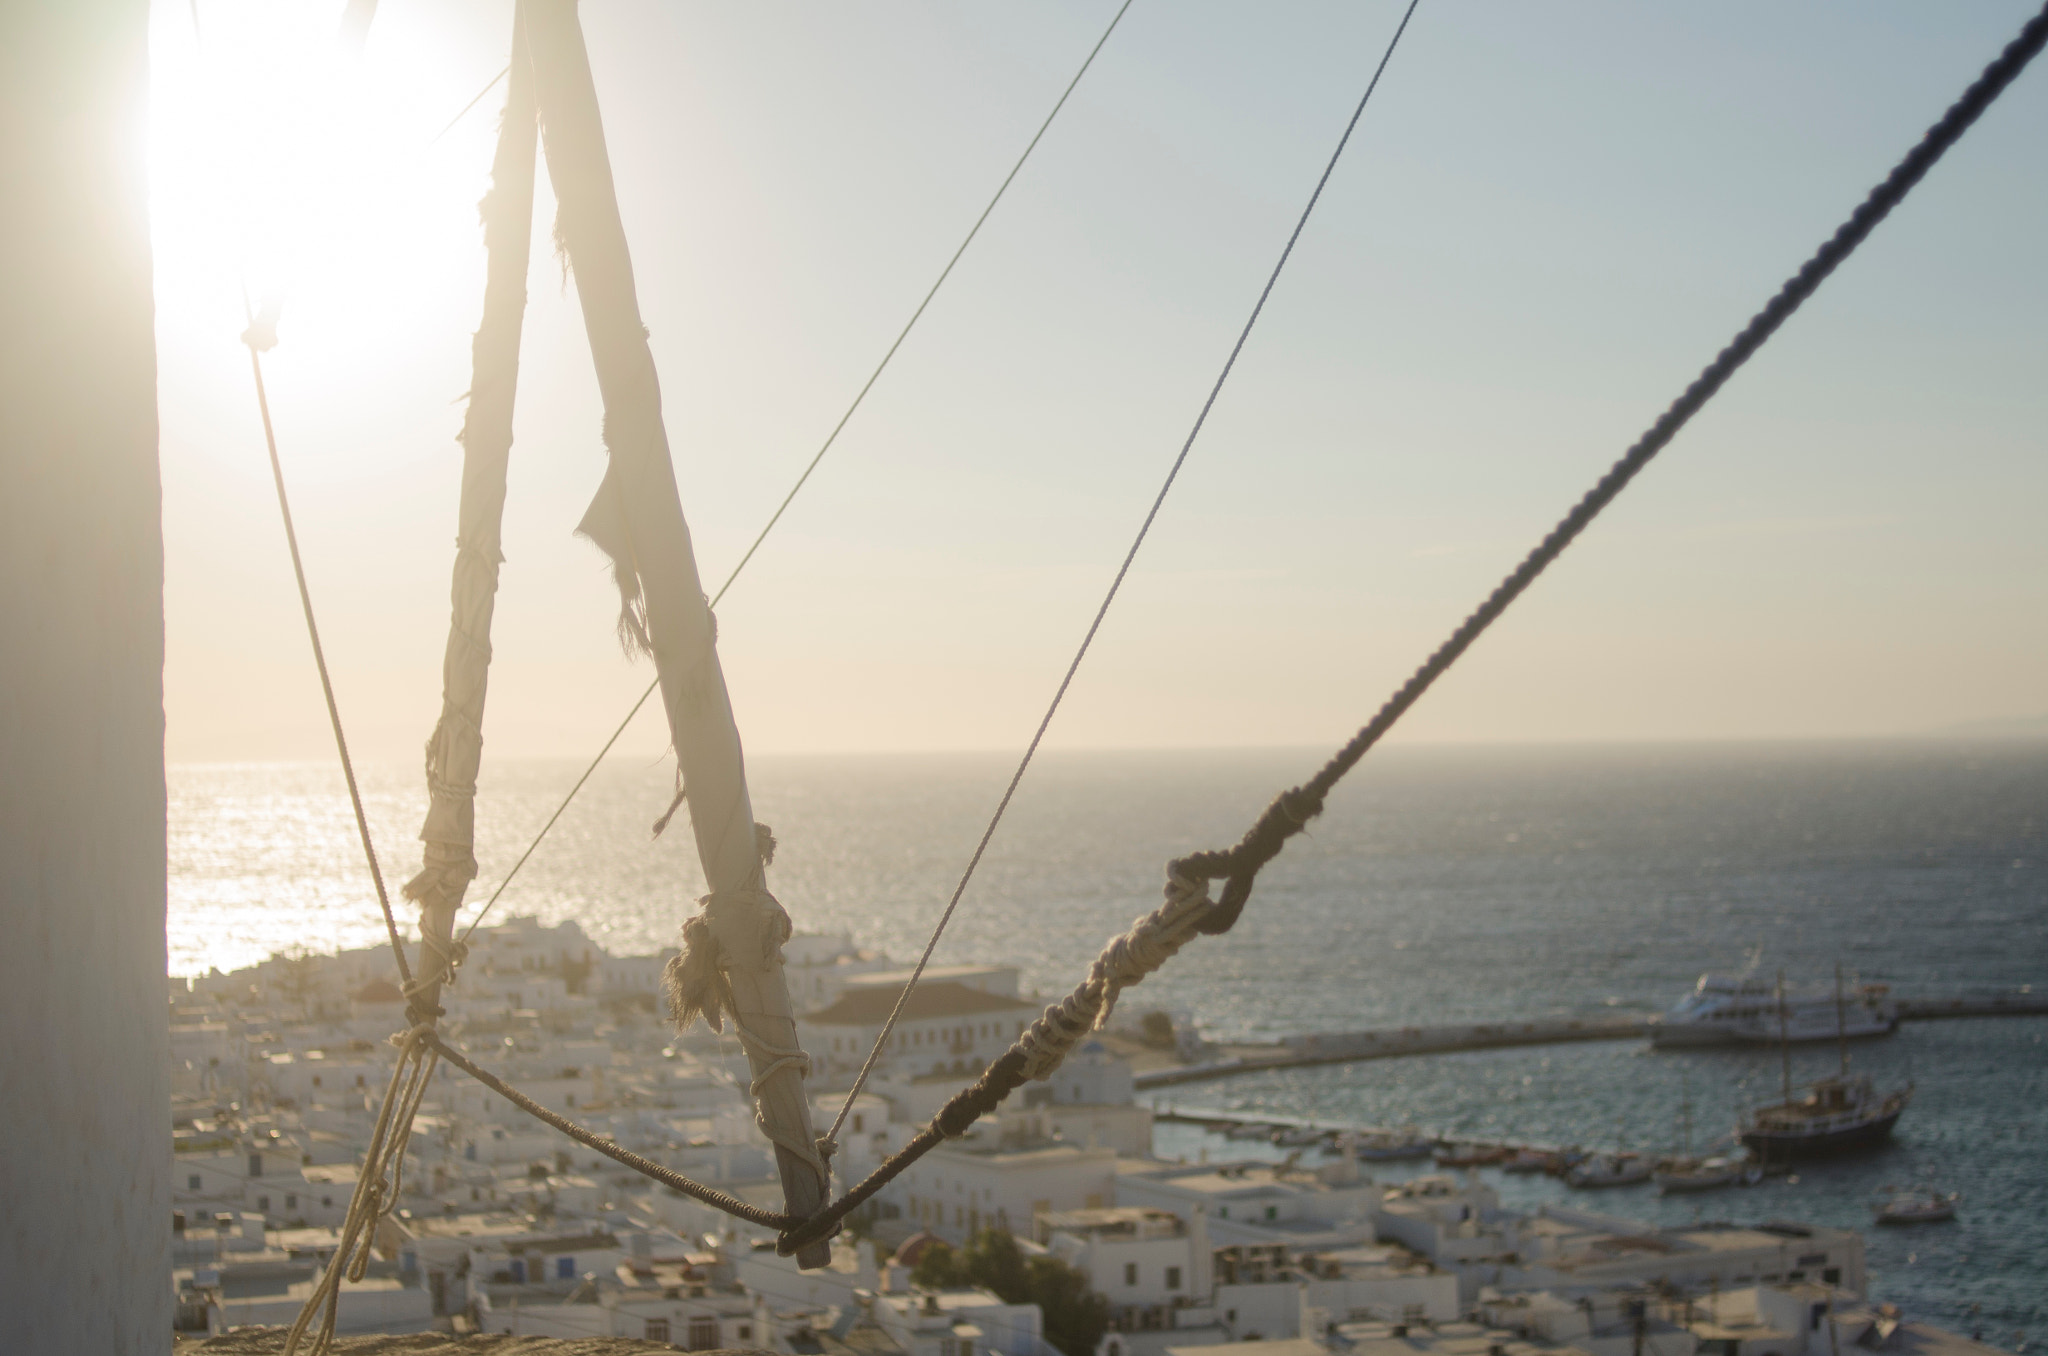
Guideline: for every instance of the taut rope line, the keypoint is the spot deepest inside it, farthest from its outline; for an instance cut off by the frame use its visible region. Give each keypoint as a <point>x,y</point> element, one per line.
<point>258,337</point>
<point>830,438</point>
<point>867,1067</point>
<point>1292,810</point>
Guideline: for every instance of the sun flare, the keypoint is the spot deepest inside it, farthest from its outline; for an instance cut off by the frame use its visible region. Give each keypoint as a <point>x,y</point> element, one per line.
<point>302,171</point>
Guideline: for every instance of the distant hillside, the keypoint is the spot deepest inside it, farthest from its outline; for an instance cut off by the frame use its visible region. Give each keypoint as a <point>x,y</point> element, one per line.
<point>2002,727</point>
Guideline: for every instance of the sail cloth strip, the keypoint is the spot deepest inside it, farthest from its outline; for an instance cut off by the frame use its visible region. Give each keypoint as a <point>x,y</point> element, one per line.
<point>637,518</point>
<point>455,750</point>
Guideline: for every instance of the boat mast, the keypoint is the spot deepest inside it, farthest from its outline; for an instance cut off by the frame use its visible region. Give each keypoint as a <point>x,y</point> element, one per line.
<point>1784,1040</point>
<point>638,520</point>
<point>1841,1022</point>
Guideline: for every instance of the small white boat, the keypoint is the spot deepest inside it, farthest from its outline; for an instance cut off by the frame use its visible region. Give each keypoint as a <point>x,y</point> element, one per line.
<point>1610,1170</point>
<point>1918,1207</point>
<point>1705,1174</point>
<point>1297,1136</point>
<point>1249,1130</point>
<point>1529,1160</point>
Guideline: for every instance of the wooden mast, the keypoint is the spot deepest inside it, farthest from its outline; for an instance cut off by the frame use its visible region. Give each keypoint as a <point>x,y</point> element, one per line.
<point>638,518</point>
<point>455,750</point>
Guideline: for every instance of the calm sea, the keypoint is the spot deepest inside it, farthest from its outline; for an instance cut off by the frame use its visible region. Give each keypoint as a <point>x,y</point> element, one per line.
<point>1441,885</point>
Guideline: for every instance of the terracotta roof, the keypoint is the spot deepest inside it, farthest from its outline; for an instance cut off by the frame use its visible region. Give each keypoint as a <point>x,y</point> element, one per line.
<point>870,1007</point>
<point>915,1247</point>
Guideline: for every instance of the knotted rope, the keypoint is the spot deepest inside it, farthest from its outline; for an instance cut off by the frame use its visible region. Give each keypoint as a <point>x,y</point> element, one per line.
<point>378,1184</point>
<point>1151,941</point>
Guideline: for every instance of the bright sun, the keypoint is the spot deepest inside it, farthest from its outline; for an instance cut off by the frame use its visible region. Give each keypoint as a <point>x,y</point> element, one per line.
<point>305,169</point>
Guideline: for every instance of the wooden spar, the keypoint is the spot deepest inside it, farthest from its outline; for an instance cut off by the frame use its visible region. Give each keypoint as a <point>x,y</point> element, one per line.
<point>638,517</point>
<point>455,750</point>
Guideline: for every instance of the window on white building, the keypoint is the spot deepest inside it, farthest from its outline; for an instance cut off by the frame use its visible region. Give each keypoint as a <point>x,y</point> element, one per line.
<point>656,1330</point>
<point>1130,1273</point>
<point>1173,1278</point>
<point>703,1333</point>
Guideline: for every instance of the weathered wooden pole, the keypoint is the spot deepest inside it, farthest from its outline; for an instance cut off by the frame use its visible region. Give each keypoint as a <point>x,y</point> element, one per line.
<point>85,1179</point>
<point>638,519</point>
<point>456,749</point>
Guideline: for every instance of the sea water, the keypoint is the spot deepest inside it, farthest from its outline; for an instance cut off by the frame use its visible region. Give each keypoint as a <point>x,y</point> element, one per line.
<point>1441,885</point>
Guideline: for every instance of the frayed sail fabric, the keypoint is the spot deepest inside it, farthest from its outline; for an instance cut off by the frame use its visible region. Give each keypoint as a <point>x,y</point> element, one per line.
<point>604,526</point>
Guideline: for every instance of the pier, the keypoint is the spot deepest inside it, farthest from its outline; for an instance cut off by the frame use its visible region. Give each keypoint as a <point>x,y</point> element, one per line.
<point>1346,1047</point>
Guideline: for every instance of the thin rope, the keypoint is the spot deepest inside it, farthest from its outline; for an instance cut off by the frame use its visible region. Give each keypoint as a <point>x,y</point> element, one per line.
<point>710,1196</point>
<point>830,438</point>
<point>475,922</point>
<point>284,507</point>
<point>471,104</point>
<point>875,1054</point>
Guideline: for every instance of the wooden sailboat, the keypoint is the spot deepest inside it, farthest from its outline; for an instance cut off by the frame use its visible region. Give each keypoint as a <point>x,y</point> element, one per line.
<point>1684,1173</point>
<point>1840,1114</point>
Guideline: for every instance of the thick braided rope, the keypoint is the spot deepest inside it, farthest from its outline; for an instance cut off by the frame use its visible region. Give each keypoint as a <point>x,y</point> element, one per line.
<point>1152,941</point>
<point>1292,810</point>
<point>1149,944</point>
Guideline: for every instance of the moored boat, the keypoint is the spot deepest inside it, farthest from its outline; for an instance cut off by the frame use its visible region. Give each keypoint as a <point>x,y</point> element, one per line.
<point>1705,1174</point>
<point>1388,1146</point>
<point>1835,1116</point>
<point>1297,1136</point>
<point>1610,1170</point>
<point>1745,1009</point>
<point>1472,1155</point>
<point>1917,1206</point>
<point>1842,1114</point>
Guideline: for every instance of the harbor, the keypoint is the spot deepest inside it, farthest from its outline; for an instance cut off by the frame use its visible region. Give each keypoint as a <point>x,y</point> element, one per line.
<point>1238,1059</point>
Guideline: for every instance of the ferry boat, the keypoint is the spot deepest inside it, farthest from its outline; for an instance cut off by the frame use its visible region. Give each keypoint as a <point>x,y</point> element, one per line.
<point>1749,1010</point>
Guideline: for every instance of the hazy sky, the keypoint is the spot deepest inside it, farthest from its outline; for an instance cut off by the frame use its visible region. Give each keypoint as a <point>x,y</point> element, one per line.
<point>1551,217</point>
